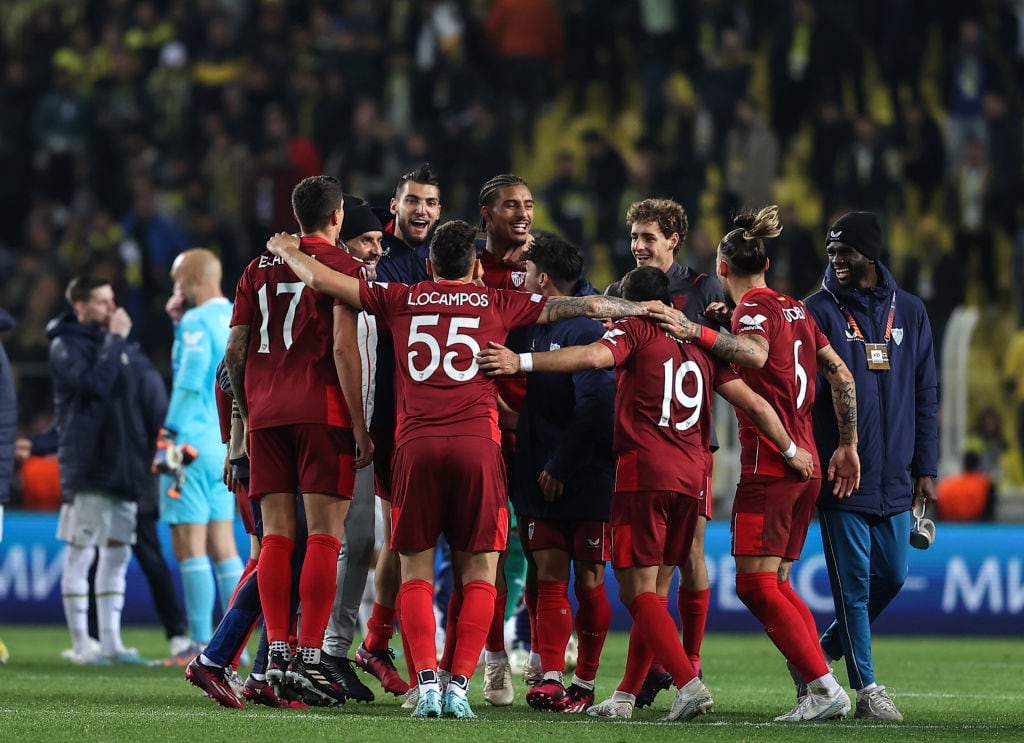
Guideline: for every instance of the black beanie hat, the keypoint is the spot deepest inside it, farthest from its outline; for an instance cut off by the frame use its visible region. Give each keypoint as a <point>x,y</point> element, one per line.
<point>859,230</point>
<point>359,218</point>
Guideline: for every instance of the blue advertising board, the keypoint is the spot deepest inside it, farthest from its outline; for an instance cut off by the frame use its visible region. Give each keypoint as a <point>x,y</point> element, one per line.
<point>971,581</point>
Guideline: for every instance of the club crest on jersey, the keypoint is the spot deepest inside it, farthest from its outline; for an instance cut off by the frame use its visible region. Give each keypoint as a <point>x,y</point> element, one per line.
<point>897,335</point>
<point>750,322</point>
<point>518,277</point>
<point>555,346</point>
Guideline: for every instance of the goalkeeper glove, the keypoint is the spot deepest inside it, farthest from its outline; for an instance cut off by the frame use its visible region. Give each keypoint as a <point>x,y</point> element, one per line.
<point>172,459</point>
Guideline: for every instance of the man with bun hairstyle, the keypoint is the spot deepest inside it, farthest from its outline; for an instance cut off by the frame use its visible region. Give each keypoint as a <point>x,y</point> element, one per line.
<point>883,335</point>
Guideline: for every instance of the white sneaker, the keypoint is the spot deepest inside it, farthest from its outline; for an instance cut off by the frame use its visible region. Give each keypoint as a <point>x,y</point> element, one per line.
<point>819,704</point>
<point>619,704</point>
<point>532,675</point>
<point>411,698</point>
<point>876,705</point>
<point>179,644</point>
<point>691,700</point>
<point>92,648</point>
<point>498,684</point>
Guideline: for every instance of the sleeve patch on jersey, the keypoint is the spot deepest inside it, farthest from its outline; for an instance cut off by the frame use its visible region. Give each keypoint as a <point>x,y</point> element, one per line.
<point>535,297</point>
<point>751,322</point>
<point>610,335</point>
<point>192,338</point>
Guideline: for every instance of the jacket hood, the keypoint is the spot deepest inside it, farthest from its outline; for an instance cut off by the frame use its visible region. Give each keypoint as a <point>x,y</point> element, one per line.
<point>67,324</point>
<point>6,320</point>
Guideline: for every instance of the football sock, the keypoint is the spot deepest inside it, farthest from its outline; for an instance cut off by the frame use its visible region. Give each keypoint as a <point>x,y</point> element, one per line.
<point>592,619</point>
<point>227,574</point>
<point>478,598</point>
<point>638,660</point>
<point>651,615</point>
<point>786,589</point>
<point>380,627</point>
<point>782,622</point>
<point>317,585</point>
<point>693,613</point>
<point>403,637</point>
<point>111,568</point>
<point>274,577</point>
<point>418,623</point>
<point>587,684</point>
<point>495,640</point>
<point>554,624</point>
<point>74,588</point>
<point>200,593</point>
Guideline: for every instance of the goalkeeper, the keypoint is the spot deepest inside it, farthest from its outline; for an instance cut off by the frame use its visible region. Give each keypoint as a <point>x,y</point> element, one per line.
<point>193,498</point>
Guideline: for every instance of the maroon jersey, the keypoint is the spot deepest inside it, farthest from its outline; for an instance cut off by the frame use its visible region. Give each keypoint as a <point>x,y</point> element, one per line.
<point>437,328</point>
<point>662,408</point>
<point>787,379</point>
<point>290,376</point>
<point>498,275</point>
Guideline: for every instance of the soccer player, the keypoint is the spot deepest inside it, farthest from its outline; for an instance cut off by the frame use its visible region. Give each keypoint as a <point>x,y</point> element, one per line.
<point>416,209</point>
<point>561,485</point>
<point>302,405</point>
<point>447,433</point>
<point>778,346</point>
<point>657,232</point>
<point>201,516</point>
<point>662,434</point>
<point>506,213</point>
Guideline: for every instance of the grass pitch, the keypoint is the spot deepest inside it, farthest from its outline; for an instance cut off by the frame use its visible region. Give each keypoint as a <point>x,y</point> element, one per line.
<point>953,689</point>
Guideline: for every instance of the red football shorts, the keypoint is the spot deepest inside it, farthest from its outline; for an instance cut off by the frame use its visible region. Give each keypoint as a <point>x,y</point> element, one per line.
<point>770,515</point>
<point>652,528</point>
<point>590,541</point>
<point>451,485</point>
<point>303,457</point>
<point>704,509</point>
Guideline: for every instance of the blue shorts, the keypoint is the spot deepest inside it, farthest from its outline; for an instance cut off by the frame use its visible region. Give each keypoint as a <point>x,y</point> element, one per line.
<point>204,496</point>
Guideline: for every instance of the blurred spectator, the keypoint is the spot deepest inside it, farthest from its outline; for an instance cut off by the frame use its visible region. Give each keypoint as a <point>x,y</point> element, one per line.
<point>968,496</point>
<point>918,140</point>
<point>751,161</point>
<point>971,208</point>
<point>1013,379</point>
<point>593,52</point>
<point>60,125</point>
<point>986,440</point>
<point>969,75</point>
<point>148,34</point>
<point>830,132</point>
<point>661,40</point>
<point>568,201</point>
<point>169,89</point>
<point>795,256</point>
<point>606,180</point>
<point>527,43</point>
<point>724,84</point>
<point>864,171</point>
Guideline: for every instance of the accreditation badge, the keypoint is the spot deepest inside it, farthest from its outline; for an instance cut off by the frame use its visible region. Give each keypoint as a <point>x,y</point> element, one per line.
<point>877,355</point>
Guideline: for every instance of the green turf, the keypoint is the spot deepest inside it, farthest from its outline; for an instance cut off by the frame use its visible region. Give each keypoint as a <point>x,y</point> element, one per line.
<point>948,688</point>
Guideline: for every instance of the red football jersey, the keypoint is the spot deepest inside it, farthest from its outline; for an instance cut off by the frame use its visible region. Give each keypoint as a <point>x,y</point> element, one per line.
<point>498,275</point>
<point>787,379</point>
<point>290,376</point>
<point>437,328</point>
<point>662,408</point>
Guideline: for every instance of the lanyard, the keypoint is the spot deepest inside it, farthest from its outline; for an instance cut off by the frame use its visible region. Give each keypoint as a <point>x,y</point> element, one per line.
<point>856,328</point>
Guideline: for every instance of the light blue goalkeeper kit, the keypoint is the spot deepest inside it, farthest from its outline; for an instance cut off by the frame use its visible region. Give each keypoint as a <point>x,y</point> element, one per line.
<point>199,343</point>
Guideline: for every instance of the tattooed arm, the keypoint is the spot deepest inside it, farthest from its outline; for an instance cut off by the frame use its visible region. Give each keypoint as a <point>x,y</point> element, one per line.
<point>844,467</point>
<point>595,306</point>
<point>234,359</point>
<point>749,351</point>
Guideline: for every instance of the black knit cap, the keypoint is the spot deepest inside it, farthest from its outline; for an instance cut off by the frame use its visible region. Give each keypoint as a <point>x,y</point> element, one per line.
<point>359,218</point>
<point>861,231</point>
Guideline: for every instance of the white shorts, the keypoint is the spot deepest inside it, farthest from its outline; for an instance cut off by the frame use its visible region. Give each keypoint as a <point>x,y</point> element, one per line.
<point>92,520</point>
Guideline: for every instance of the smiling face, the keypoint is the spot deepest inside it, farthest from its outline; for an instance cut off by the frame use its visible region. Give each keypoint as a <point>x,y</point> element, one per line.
<point>367,247</point>
<point>510,218</point>
<point>852,268</point>
<point>417,207</point>
<point>651,247</point>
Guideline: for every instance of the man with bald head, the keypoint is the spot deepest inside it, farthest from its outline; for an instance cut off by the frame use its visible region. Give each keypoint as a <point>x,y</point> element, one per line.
<point>201,511</point>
